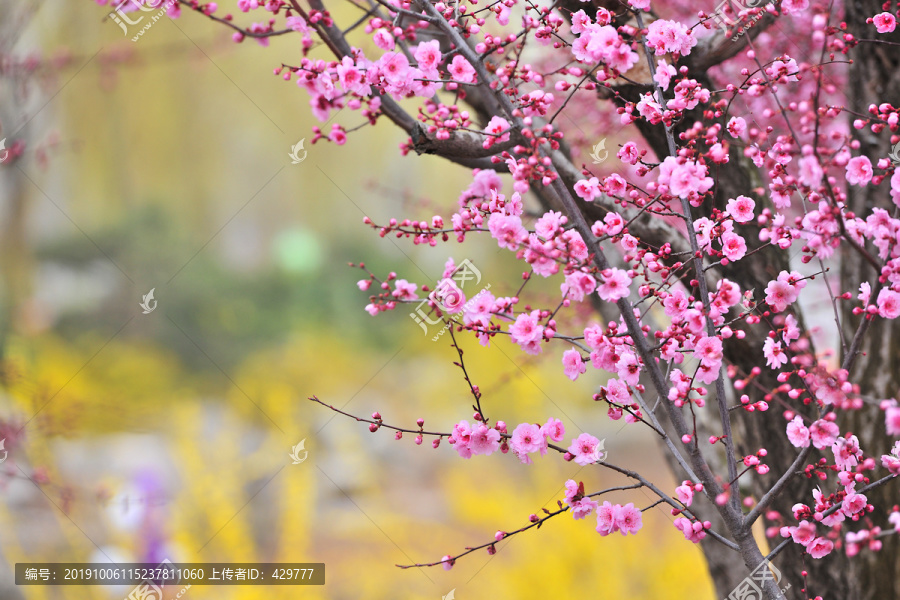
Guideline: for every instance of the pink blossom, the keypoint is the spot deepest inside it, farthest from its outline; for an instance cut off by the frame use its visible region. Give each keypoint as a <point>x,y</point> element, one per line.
<point>664,74</point>
<point>617,392</point>
<point>774,353</point>
<point>586,449</point>
<point>577,285</point>
<point>853,503</point>
<point>588,189</point>
<point>351,78</point>
<point>297,24</point>
<point>779,294</point>
<point>394,66</point>
<point>865,290</point>
<point>615,186</point>
<point>404,290</point>
<point>885,22</point>
<point>894,519</point>
<point>606,519</point>
<point>741,209</point>
<point>846,452</point>
<point>428,55</point>
<point>707,374</point>
<point>526,439</point>
<point>629,153</point>
<point>628,367</point>
<point>733,247</point>
<point>550,224</point>
<point>823,433</point>
<point>675,303</point>
<point>613,284</point>
<point>573,363</point>
<point>628,519</point>
<point>693,532</point>
<point>685,493</point>
<point>614,223</point>
<point>602,43</point>
<point>593,336</point>
<point>859,170</point>
<point>554,430</point>
<point>573,489</point>
<point>892,420</point>
<point>797,433</point>
<point>484,440</point>
<point>794,6</point>
<point>526,328</point>
<point>891,461</point>
<point>791,330</point>
<point>737,127</point>
<point>507,230</point>
<point>572,243</point>
<point>580,22</point>
<point>540,254</point>
<point>484,183</point>
<point>804,533</point>
<point>243,5</point>
<point>383,39</point>
<point>650,109</point>
<point>460,437</point>
<point>670,36</point>
<point>781,194</point>
<point>583,508</point>
<point>497,130</point>
<point>783,70</point>
<point>478,308</point>
<point>709,351</point>
<point>888,303</point>
<point>683,177</point>
<point>810,171</point>
<point>448,296</point>
<point>460,70</point>
<point>820,547</point>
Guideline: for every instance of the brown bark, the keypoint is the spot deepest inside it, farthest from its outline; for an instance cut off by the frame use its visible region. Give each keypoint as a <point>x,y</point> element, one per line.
<point>874,78</point>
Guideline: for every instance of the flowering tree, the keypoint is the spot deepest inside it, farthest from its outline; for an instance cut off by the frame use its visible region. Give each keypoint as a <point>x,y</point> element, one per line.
<point>754,175</point>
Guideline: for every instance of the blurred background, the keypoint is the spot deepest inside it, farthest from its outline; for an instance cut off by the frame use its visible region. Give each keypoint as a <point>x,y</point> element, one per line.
<point>163,164</point>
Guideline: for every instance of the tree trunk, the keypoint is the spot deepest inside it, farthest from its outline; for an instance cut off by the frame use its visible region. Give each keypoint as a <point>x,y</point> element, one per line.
<point>874,78</point>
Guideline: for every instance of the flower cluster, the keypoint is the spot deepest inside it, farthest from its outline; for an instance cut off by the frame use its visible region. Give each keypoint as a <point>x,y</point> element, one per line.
<point>708,241</point>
